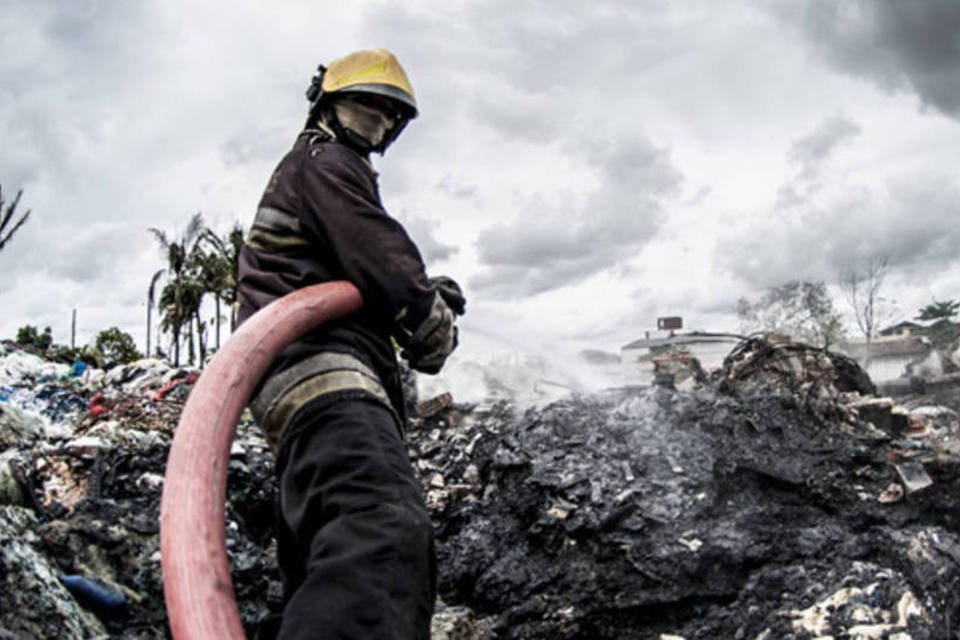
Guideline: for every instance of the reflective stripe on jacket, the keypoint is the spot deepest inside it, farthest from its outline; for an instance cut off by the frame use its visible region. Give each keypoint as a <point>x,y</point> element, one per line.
<point>321,219</point>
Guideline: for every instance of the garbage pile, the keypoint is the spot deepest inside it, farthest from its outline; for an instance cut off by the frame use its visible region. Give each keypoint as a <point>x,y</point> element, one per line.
<point>81,473</point>
<point>775,498</point>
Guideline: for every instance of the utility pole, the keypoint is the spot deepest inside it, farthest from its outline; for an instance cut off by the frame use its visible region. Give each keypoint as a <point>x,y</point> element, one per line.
<point>73,331</point>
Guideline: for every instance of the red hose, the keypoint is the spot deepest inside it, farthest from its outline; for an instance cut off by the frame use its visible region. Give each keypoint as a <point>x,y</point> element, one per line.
<point>193,550</point>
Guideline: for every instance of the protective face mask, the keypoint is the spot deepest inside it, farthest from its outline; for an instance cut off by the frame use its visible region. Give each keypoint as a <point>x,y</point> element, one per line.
<point>367,122</point>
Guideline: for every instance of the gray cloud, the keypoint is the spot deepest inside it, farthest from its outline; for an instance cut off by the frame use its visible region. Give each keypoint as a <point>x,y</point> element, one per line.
<point>912,221</point>
<point>809,153</point>
<point>422,231</point>
<point>78,254</point>
<point>552,245</point>
<point>896,45</point>
<point>459,190</point>
<point>525,69</point>
<point>518,114</point>
<point>254,144</point>
<point>540,73</point>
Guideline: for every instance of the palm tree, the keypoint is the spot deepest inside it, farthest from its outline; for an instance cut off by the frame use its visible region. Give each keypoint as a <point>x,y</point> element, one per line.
<point>177,253</point>
<point>219,269</point>
<point>180,301</point>
<point>7,216</point>
<point>150,302</point>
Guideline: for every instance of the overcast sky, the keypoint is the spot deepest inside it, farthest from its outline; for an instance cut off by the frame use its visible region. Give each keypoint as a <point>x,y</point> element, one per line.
<point>581,167</point>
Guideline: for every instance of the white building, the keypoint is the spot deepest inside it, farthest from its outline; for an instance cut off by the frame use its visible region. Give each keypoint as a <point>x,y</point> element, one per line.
<point>710,349</point>
<point>886,358</point>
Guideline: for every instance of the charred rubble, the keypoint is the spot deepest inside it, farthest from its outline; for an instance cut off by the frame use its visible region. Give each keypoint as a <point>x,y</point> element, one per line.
<point>775,498</point>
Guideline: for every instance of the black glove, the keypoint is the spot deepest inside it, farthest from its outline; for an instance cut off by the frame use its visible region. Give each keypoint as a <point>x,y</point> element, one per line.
<point>451,293</point>
<point>431,362</point>
<point>436,337</point>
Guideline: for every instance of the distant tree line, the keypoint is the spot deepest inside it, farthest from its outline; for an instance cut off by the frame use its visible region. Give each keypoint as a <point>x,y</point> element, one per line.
<point>109,348</point>
<point>200,264</point>
<point>804,310</point>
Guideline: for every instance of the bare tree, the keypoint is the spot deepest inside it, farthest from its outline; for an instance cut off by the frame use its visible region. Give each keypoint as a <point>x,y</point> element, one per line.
<point>7,216</point>
<point>862,288</point>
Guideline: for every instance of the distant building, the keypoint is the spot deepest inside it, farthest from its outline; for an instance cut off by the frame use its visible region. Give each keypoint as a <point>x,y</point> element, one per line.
<point>903,329</point>
<point>887,358</point>
<point>710,349</point>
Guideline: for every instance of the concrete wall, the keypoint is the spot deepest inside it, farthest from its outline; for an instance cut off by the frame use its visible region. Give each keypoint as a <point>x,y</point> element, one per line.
<point>886,368</point>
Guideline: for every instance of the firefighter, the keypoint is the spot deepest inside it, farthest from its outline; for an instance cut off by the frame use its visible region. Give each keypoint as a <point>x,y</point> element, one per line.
<point>354,541</point>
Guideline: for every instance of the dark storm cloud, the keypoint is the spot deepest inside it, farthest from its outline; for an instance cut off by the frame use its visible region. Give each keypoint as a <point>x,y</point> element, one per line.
<point>894,44</point>
<point>553,245</point>
<point>910,221</point>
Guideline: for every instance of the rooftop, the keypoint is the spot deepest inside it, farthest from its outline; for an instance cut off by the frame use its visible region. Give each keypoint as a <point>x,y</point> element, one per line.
<point>684,338</point>
<point>905,346</point>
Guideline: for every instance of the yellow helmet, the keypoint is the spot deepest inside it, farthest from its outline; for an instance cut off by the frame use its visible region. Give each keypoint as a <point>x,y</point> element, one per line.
<point>374,71</point>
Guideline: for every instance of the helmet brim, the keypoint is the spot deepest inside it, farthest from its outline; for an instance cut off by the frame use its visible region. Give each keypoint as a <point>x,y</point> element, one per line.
<point>405,100</point>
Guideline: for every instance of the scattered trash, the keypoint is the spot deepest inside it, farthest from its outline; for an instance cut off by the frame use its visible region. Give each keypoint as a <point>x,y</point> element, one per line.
<point>456,623</point>
<point>434,406</point>
<point>19,428</point>
<point>893,493</point>
<point>913,476</point>
<point>79,368</point>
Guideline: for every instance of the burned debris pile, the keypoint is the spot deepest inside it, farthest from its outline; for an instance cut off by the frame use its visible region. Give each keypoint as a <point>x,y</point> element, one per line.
<point>774,498</point>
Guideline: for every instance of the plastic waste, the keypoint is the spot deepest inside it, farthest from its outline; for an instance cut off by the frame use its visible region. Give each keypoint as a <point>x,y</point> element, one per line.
<point>79,368</point>
<point>107,604</point>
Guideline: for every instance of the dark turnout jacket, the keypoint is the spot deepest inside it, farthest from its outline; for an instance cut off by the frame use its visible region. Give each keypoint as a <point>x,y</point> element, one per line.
<point>321,219</point>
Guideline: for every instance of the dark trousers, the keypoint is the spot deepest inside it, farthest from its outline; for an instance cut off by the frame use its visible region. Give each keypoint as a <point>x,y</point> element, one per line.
<point>355,543</point>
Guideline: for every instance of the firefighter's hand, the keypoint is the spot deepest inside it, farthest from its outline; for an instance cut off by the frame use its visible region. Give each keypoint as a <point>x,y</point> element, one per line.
<point>434,340</point>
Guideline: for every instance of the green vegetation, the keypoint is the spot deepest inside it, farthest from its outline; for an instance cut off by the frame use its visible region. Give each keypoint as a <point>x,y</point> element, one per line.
<point>115,347</point>
<point>29,336</point>
<point>937,311</point>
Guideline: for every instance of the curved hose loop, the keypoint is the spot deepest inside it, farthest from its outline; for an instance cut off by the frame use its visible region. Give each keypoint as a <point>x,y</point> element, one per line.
<point>193,550</point>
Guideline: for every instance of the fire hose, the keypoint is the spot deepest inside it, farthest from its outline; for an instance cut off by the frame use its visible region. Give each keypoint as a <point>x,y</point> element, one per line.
<point>193,544</point>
